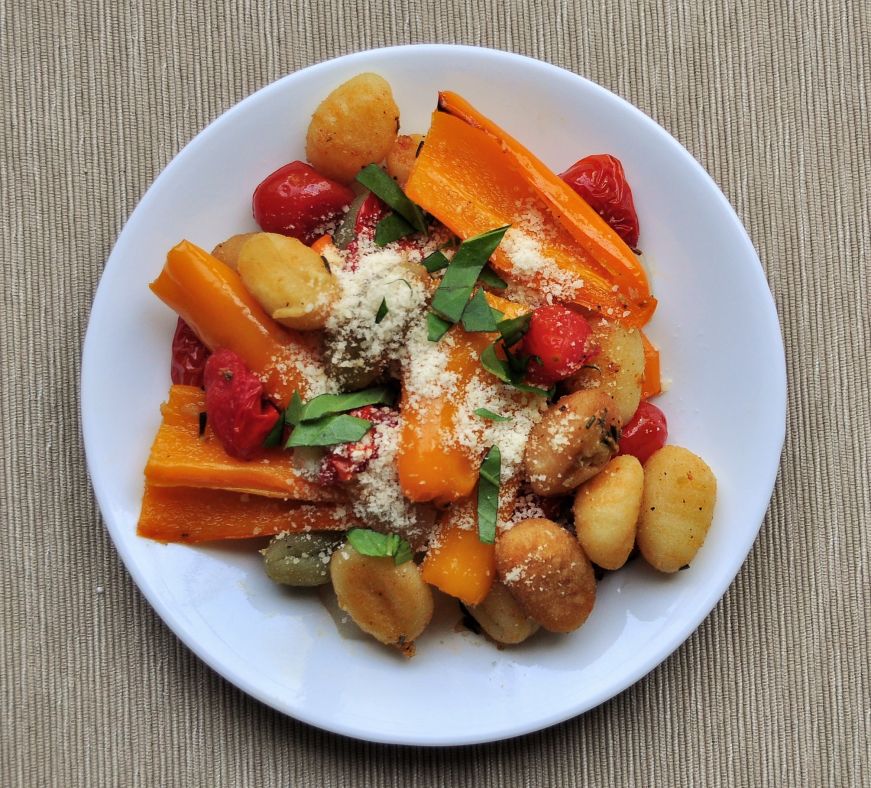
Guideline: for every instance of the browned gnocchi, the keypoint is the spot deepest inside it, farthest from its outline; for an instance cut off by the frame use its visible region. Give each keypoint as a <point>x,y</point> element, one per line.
<point>353,126</point>
<point>677,507</point>
<point>606,512</point>
<point>571,443</point>
<point>288,278</point>
<point>228,251</point>
<point>546,571</point>
<point>388,601</point>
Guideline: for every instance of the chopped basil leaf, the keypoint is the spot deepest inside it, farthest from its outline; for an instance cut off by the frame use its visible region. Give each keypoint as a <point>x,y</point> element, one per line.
<point>512,330</point>
<point>489,277</point>
<point>507,373</point>
<point>345,231</point>
<point>391,228</point>
<point>329,431</point>
<point>382,311</point>
<point>329,404</point>
<point>490,415</point>
<point>488,495</point>
<point>275,434</point>
<point>383,186</point>
<point>459,280</point>
<point>495,365</point>
<point>477,316</point>
<point>293,414</point>
<point>435,262</point>
<point>372,543</point>
<point>203,419</point>
<point>436,328</point>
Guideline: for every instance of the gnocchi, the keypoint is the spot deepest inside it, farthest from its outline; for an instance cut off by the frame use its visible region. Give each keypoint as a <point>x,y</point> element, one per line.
<point>548,574</point>
<point>502,618</point>
<point>677,507</point>
<point>401,157</point>
<point>353,126</point>
<point>388,601</point>
<point>288,279</point>
<point>300,559</point>
<point>618,369</point>
<point>606,512</point>
<point>573,441</point>
<point>228,251</point>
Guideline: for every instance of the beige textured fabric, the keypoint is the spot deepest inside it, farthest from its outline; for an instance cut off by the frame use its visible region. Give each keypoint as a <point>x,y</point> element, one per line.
<point>772,97</point>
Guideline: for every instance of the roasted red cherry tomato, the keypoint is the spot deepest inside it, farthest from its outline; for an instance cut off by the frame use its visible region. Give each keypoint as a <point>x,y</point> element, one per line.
<point>600,180</point>
<point>645,433</point>
<point>298,201</point>
<point>189,356</point>
<point>235,407</point>
<point>341,463</point>
<point>559,341</point>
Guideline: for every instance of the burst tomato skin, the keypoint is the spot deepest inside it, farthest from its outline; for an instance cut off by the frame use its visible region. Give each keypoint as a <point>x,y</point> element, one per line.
<point>189,356</point>
<point>645,433</point>
<point>342,463</point>
<point>600,180</point>
<point>235,405</point>
<point>298,201</point>
<point>558,340</point>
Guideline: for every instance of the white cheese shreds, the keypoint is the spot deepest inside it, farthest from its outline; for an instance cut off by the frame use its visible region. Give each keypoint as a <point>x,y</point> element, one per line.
<point>355,343</point>
<point>378,500</point>
<point>532,268</point>
<point>425,365</point>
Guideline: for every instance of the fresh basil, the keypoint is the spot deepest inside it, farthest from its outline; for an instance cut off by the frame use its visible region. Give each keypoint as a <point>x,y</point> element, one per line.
<point>391,228</point>
<point>461,274</point>
<point>513,330</point>
<point>503,369</point>
<point>436,328</point>
<point>373,543</point>
<point>273,439</point>
<point>383,186</point>
<point>330,404</point>
<point>328,431</point>
<point>293,414</point>
<point>489,415</point>
<point>490,278</point>
<point>435,262</point>
<point>382,311</point>
<point>477,316</point>
<point>488,495</point>
<point>345,231</point>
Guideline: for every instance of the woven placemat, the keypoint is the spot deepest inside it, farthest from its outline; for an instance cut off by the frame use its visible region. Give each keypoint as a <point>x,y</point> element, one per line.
<point>773,99</point>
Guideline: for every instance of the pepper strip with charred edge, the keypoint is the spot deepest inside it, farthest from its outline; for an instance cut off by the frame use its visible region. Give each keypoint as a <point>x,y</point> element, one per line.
<point>571,210</point>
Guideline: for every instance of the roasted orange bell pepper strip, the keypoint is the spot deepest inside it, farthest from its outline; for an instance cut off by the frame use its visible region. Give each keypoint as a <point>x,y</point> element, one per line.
<point>211,298</point>
<point>471,183</point>
<point>651,385</point>
<point>431,466</point>
<point>181,457</point>
<point>462,565</point>
<point>586,226</point>
<point>187,514</point>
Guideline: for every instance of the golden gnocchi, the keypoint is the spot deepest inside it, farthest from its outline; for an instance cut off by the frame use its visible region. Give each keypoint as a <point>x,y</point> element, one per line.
<point>677,507</point>
<point>606,512</point>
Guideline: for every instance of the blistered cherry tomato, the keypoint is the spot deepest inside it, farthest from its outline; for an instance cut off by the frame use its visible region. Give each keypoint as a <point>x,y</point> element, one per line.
<point>559,340</point>
<point>189,356</point>
<point>298,201</point>
<point>600,180</point>
<point>235,407</point>
<point>645,433</point>
<point>343,462</point>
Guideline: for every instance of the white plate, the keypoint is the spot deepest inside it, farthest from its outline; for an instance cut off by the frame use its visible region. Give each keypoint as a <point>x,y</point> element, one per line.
<point>721,346</point>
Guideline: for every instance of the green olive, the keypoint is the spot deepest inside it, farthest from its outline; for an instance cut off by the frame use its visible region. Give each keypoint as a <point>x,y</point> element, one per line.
<point>300,559</point>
